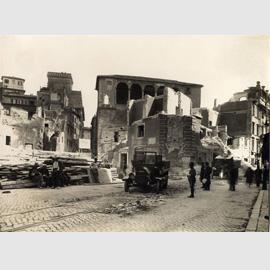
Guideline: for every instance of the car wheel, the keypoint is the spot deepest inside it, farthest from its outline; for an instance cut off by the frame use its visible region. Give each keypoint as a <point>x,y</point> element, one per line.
<point>158,187</point>
<point>126,186</point>
<point>165,184</point>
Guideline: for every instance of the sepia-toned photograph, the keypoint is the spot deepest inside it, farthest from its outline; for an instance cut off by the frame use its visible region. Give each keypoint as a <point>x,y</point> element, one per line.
<point>134,133</point>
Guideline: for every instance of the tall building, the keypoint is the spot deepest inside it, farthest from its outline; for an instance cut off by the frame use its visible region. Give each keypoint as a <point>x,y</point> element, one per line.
<point>63,111</point>
<point>246,115</point>
<point>115,93</point>
<point>12,94</point>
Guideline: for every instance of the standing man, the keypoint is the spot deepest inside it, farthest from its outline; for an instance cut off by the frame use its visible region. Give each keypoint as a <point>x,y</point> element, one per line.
<point>258,175</point>
<point>265,177</point>
<point>233,175</point>
<point>192,179</point>
<point>208,173</point>
<point>202,175</point>
<point>249,176</point>
<point>55,173</point>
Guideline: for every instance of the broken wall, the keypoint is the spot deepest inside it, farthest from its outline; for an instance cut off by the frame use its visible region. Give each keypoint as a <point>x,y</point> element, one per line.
<point>110,122</point>
<point>17,131</point>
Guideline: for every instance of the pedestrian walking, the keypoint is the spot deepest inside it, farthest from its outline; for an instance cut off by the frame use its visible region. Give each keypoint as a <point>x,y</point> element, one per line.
<point>202,174</point>
<point>233,175</point>
<point>208,173</point>
<point>249,176</point>
<point>265,177</point>
<point>258,176</point>
<point>191,179</point>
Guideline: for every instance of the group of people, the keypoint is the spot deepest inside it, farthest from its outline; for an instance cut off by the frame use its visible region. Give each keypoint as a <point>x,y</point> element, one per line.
<point>205,177</point>
<point>42,177</point>
<point>261,176</point>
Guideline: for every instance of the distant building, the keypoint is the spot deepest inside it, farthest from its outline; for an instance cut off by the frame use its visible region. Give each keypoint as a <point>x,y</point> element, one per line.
<point>12,94</point>
<point>63,111</point>
<point>246,116</point>
<point>85,140</point>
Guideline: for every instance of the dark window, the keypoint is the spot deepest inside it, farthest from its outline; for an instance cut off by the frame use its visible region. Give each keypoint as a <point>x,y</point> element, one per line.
<point>160,91</point>
<point>210,123</point>
<point>46,125</point>
<point>8,140</point>
<point>141,131</point>
<point>6,81</point>
<point>116,136</point>
<point>149,90</point>
<point>122,93</point>
<point>135,92</point>
<point>253,128</point>
<point>230,141</point>
<point>187,92</point>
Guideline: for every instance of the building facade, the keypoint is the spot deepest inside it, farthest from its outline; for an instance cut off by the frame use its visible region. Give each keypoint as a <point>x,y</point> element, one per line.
<point>63,112</point>
<point>12,94</point>
<point>115,96</point>
<point>247,118</point>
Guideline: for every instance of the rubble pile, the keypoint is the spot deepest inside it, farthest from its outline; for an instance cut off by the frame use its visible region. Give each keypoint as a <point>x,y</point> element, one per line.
<point>132,207</point>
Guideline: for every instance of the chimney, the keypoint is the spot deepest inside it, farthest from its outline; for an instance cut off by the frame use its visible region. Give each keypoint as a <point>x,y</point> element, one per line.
<point>263,87</point>
<point>258,84</point>
<point>215,103</point>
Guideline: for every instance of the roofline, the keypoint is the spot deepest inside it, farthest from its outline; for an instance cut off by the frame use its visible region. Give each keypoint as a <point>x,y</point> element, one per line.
<point>11,77</point>
<point>141,78</point>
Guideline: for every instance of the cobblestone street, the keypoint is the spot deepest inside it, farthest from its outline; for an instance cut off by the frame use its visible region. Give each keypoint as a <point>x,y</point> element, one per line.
<point>89,208</point>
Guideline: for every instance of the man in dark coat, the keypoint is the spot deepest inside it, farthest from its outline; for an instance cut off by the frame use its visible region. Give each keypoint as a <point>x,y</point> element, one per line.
<point>202,175</point>
<point>45,174</point>
<point>36,176</point>
<point>208,172</point>
<point>258,176</point>
<point>265,177</point>
<point>191,179</point>
<point>233,175</point>
<point>249,176</point>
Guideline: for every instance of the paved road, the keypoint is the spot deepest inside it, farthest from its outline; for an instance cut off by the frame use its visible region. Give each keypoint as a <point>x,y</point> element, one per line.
<point>108,208</point>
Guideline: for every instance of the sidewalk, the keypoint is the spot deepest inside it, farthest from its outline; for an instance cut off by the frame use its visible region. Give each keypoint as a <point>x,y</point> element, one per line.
<point>257,222</point>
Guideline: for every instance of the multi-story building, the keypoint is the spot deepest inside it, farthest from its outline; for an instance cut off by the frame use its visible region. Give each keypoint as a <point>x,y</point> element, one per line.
<point>12,94</point>
<point>110,125</point>
<point>247,118</point>
<point>63,112</point>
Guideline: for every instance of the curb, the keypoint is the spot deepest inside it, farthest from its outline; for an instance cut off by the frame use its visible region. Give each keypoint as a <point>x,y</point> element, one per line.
<point>254,217</point>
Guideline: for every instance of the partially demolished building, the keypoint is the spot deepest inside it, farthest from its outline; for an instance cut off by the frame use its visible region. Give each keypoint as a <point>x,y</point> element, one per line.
<point>250,110</point>
<point>63,112</point>
<point>146,113</point>
<point>52,120</point>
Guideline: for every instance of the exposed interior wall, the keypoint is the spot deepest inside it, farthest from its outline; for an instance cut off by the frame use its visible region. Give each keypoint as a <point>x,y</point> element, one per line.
<point>109,122</point>
<point>17,131</point>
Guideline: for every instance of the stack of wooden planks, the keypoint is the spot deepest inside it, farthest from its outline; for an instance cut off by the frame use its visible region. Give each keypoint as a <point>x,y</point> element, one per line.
<point>15,167</point>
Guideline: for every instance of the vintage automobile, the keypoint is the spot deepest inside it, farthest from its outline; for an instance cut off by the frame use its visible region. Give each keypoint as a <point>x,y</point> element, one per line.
<point>148,171</point>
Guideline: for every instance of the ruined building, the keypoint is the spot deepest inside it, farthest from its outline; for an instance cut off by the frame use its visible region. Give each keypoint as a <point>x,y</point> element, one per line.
<point>63,113</point>
<point>110,125</point>
<point>20,126</point>
<point>246,115</point>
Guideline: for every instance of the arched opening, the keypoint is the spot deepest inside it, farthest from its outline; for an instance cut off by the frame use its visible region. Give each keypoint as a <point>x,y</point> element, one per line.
<point>149,90</point>
<point>135,92</point>
<point>160,91</point>
<point>122,93</point>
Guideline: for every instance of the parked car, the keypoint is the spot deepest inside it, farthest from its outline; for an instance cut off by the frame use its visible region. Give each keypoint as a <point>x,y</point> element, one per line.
<point>148,171</point>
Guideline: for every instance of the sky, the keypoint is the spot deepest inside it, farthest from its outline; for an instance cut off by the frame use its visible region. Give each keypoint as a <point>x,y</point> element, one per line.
<point>223,64</point>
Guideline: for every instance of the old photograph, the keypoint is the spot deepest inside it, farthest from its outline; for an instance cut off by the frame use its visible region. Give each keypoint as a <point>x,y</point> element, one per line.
<point>135,133</point>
